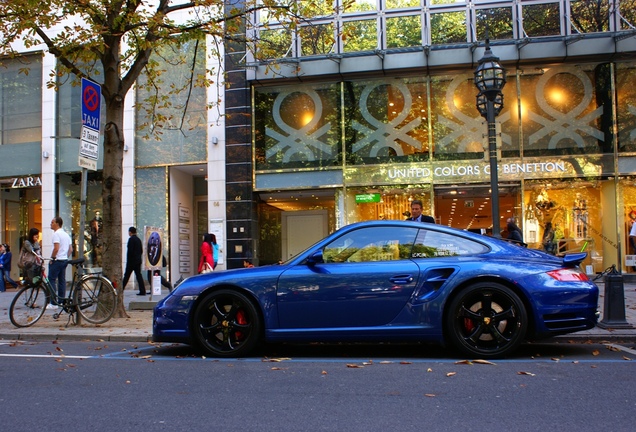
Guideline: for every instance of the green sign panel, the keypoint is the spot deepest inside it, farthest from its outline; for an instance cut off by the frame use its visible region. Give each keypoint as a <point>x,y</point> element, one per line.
<point>367,198</point>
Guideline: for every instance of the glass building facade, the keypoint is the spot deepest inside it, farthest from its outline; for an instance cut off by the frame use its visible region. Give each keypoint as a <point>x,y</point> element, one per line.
<point>357,112</point>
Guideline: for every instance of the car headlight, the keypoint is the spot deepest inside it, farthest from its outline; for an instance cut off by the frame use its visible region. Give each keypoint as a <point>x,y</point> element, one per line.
<point>179,302</point>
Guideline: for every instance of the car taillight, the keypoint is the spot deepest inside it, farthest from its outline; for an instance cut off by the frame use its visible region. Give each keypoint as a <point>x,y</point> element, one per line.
<point>568,275</point>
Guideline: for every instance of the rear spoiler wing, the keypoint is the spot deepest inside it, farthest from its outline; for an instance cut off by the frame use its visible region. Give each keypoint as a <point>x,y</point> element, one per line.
<point>574,259</point>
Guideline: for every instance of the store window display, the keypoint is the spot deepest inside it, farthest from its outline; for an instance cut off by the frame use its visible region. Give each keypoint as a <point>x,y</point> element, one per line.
<point>95,240</point>
<point>571,212</point>
<point>629,199</point>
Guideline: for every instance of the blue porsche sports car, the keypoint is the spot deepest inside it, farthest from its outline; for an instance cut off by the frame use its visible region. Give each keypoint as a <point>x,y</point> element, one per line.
<point>386,281</point>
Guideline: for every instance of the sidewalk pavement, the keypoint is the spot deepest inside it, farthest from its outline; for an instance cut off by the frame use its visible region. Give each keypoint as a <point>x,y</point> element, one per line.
<point>138,326</point>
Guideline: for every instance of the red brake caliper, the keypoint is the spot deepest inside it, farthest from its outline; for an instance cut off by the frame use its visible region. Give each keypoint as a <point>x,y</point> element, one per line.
<point>240,318</point>
<point>469,325</point>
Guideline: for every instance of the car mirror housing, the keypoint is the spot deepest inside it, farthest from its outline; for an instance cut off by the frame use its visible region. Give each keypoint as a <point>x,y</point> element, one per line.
<point>315,258</point>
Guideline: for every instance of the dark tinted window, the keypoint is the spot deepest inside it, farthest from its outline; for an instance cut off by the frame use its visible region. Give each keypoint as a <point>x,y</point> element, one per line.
<point>371,244</point>
<point>430,244</point>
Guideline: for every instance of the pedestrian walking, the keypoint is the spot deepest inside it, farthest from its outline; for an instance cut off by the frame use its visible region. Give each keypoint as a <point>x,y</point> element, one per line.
<point>5,267</point>
<point>134,252</point>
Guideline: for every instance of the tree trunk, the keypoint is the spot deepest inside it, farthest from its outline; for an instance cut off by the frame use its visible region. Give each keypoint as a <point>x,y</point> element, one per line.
<point>111,197</point>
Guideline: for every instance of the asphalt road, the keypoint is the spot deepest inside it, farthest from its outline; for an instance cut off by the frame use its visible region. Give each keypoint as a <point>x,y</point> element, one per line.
<point>116,386</point>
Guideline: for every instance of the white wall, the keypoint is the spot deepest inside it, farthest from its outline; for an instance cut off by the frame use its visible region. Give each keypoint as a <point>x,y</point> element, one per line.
<point>181,193</point>
<point>217,201</point>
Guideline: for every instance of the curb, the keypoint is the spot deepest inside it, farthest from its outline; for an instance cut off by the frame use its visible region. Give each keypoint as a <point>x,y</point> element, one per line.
<point>74,337</point>
<point>147,338</point>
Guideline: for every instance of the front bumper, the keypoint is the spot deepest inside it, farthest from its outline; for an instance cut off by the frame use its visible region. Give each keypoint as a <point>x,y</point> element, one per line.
<point>171,319</point>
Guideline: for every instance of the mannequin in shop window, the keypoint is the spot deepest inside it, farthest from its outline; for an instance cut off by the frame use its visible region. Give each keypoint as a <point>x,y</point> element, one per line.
<point>580,217</point>
<point>632,238</point>
<point>549,244</point>
<point>96,225</point>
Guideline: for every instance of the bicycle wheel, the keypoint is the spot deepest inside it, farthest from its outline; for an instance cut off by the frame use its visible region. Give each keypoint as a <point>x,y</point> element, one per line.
<point>28,306</point>
<point>95,299</point>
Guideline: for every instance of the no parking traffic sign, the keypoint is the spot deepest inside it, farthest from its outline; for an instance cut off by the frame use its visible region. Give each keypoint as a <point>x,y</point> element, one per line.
<point>91,114</point>
<point>91,104</point>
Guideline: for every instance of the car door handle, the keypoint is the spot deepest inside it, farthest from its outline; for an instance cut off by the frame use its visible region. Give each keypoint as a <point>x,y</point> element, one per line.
<point>402,279</point>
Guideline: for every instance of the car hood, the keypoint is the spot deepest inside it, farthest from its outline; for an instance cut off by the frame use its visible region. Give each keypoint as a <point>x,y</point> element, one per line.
<point>240,277</point>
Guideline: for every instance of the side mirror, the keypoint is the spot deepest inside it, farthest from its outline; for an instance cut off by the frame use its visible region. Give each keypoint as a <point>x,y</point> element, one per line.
<point>315,258</point>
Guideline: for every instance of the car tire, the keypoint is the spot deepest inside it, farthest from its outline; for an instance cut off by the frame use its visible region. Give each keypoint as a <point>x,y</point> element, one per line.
<point>486,320</point>
<point>226,324</point>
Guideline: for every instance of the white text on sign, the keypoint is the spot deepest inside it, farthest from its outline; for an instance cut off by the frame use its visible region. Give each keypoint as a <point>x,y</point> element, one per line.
<point>89,150</point>
<point>90,135</point>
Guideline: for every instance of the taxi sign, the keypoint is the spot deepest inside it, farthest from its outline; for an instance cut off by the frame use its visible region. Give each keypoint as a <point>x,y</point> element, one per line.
<point>91,104</point>
<point>91,115</point>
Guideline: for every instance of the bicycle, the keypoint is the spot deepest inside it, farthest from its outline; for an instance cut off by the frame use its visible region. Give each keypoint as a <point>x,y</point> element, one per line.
<point>92,296</point>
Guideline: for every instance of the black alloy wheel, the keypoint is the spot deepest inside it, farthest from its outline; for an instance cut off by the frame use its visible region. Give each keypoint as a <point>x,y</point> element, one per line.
<point>487,320</point>
<point>226,324</point>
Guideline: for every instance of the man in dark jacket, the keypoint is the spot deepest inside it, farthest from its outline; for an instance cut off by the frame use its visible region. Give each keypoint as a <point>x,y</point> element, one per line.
<point>133,260</point>
<point>416,213</point>
<point>515,235</point>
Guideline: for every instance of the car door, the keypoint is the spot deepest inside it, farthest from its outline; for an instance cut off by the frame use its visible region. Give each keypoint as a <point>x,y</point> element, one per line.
<point>366,277</point>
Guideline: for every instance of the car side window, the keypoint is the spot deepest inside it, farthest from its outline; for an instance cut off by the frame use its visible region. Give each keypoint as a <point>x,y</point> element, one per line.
<point>371,244</point>
<point>430,244</point>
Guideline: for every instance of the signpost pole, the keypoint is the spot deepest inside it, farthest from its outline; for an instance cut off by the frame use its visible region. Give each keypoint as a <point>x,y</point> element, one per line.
<point>82,224</point>
<point>88,150</point>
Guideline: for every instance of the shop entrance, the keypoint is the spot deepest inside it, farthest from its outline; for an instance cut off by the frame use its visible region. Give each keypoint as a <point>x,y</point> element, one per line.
<point>291,221</point>
<point>469,207</point>
<point>302,229</point>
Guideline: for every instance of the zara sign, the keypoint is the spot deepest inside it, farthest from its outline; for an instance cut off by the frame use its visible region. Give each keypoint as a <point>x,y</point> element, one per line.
<point>25,182</point>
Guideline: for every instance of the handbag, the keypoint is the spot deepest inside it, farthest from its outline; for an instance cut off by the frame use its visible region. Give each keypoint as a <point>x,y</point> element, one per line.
<point>207,268</point>
<point>27,259</point>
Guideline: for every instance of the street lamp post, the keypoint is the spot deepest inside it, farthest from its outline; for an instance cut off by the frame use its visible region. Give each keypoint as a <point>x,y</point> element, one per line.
<point>490,79</point>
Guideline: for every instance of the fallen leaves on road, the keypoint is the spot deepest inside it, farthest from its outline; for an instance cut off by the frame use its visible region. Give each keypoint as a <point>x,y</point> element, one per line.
<point>354,366</point>
<point>476,361</point>
<point>525,373</point>
<point>450,374</point>
<point>485,362</point>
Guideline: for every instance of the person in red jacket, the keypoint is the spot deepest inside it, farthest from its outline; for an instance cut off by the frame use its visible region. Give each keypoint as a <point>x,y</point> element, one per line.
<point>206,252</point>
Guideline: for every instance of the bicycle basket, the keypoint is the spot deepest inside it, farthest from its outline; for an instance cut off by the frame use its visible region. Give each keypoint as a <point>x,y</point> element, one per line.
<point>32,272</point>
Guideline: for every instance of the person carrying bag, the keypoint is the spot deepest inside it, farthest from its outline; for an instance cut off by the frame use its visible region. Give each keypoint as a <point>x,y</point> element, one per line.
<point>206,264</point>
<point>30,261</point>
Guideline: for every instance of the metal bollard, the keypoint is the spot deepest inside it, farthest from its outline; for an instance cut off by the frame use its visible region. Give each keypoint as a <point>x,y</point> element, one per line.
<point>614,304</point>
